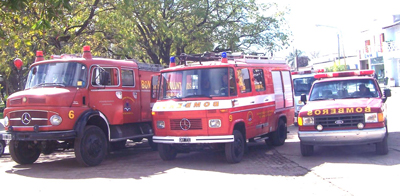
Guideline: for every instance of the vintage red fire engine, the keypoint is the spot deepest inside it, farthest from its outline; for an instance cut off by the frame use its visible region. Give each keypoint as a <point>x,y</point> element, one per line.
<point>90,104</point>
<point>344,108</point>
<point>221,103</point>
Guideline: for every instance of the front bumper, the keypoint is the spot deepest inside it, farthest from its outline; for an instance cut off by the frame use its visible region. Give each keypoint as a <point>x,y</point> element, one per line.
<point>38,136</point>
<point>193,139</point>
<point>342,137</point>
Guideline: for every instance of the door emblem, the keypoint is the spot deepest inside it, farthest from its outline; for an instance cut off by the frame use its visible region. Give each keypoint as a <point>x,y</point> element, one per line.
<point>185,124</point>
<point>26,118</point>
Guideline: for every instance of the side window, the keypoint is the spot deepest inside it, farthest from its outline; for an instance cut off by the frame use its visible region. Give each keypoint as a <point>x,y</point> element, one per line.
<point>154,86</point>
<point>259,81</point>
<point>244,80</point>
<point>278,89</point>
<point>287,85</point>
<point>113,79</point>
<point>127,77</point>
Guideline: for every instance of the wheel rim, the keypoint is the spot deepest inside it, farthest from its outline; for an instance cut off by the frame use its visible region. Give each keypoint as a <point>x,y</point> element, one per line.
<point>238,147</point>
<point>94,146</point>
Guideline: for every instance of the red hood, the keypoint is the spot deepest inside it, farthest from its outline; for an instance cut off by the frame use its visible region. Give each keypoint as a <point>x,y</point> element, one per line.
<point>342,106</point>
<point>42,96</point>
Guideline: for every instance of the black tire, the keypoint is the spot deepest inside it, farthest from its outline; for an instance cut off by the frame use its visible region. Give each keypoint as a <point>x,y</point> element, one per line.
<point>153,146</point>
<point>234,151</point>
<point>24,152</point>
<point>306,150</point>
<point>91,147</point>
<point>382,148</point>
<point>167,152</point>
<point>278,137</point>
<point>2,147</point>
<point>119,145</point>
<point>49,147</point>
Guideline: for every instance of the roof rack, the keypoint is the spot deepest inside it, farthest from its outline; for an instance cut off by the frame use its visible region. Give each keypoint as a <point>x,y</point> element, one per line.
<point>212,56</point>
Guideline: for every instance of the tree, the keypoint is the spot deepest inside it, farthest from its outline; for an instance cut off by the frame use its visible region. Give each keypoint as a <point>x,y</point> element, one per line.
<point>154,30</point>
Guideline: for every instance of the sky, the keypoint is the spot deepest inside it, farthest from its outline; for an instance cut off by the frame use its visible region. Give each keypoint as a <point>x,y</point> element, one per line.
<point>347,17</point>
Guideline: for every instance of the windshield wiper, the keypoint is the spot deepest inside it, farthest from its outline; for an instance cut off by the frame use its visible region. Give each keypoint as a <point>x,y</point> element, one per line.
<point>49,84</point>
<point>200,95</point>
<point>319,99</point>
<point>175,97</point>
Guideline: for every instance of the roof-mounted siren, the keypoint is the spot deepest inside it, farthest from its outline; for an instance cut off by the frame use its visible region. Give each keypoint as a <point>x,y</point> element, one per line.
<point>172,61</point>
<point>39,56</point>
<point>86,52</point>
<point>345,74</point>
<point>224,58</point>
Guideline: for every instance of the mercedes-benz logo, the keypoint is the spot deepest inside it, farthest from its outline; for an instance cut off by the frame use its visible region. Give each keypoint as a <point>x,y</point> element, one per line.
<point>185,124</point>
<point>26,118</point>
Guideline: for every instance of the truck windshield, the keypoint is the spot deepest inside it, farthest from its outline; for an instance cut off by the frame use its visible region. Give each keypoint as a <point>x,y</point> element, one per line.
<point>197,83</point>
<point>303,85</point>
<point>57,74</point>
<point>344,89</point>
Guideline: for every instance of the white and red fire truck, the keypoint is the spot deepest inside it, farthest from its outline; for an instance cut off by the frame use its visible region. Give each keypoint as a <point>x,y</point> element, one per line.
<point>219,104</point>
<point>90,104</point>
<point>302,81</point>
<point>344,108</point>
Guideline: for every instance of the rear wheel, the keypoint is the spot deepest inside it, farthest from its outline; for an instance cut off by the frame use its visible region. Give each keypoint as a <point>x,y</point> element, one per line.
<point>24,152</point>
<point>2,146</point>
<point>167,152</point>
<point>91,147</point>
<point>278,137</point>
<point>234,151</point>
<point>306,150</point>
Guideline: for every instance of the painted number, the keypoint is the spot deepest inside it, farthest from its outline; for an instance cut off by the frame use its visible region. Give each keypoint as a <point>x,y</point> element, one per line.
<point>230,118</point>
<point>71,114</point>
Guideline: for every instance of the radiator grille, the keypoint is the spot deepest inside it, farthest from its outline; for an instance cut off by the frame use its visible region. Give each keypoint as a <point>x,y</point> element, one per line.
<point>344,121</point>
<point>195,124</point>
<point>30,119</point>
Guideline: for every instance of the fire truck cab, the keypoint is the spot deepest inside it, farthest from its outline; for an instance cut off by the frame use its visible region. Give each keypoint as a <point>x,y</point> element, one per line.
<point>344,108</point>
<point>220,104</point>
<point>93,105</point>
<point>302,82</point>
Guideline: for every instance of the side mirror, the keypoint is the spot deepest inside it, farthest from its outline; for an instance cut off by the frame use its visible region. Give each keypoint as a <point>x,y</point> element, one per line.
<point>303,98</point>
<point>104,78</point>
<point>387,92</point>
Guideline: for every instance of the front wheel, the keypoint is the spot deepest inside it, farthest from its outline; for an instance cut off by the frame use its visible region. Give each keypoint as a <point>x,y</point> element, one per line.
<point>306,150</point>
<point>167,152</point>
<point>24,152</point>
<point>2,147</point>
<point>91,147</point>
<point>234,151</point>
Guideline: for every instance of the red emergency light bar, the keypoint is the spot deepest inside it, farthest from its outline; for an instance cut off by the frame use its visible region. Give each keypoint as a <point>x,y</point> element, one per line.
<point>344,74</point>
<point>308,72</point>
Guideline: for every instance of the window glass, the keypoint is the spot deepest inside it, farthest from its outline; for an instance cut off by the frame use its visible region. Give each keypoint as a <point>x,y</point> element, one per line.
<point>113,79</point>
<point>259,81</point>
<point>287,85</point>
<point>244,80</point>
<point>127,78</point>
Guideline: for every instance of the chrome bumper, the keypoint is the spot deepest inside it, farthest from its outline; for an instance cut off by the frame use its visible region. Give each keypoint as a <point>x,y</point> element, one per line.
<point>193,139</point>
<point>342,137</point>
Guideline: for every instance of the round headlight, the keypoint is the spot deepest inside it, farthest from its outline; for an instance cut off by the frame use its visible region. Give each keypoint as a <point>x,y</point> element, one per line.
<point>360,126</point>
<point>320,127</point>
<point>6,121</point>
<point>55,120</point>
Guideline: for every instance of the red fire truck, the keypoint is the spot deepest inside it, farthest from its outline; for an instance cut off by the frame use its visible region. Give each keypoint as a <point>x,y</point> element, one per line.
<point>344,108</point>
<point>218,103</point>
<point>93,105</point>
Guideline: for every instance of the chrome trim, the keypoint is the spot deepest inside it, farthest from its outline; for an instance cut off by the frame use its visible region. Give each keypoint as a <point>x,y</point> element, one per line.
<point>252,109</point>
<point>342,137</point>
<point>194,139</point>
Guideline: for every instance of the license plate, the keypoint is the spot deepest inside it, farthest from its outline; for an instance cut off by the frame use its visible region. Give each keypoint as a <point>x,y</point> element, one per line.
<point>7,137</point>
<point>184,139</point>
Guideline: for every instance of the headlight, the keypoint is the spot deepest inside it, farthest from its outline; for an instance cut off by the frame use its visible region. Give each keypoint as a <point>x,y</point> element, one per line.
<point>160,124</point>
<point>6,121</point>
<point>306,121</point>
<point>371,117</point>
<point>214,123</point>
<point>55,120</point>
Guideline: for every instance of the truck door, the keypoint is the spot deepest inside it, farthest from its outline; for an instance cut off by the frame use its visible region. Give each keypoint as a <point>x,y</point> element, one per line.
<point>106,97</point>
<point>154,89</point>
<point>278,89</point>
<point>130,95</point>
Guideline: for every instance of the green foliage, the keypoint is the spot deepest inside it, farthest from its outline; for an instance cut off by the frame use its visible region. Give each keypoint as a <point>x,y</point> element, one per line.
<point>336,68</point>
<point>302,60</point>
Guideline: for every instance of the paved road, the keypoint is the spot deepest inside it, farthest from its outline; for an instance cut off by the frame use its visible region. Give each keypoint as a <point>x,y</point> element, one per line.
<point>351,170</point>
